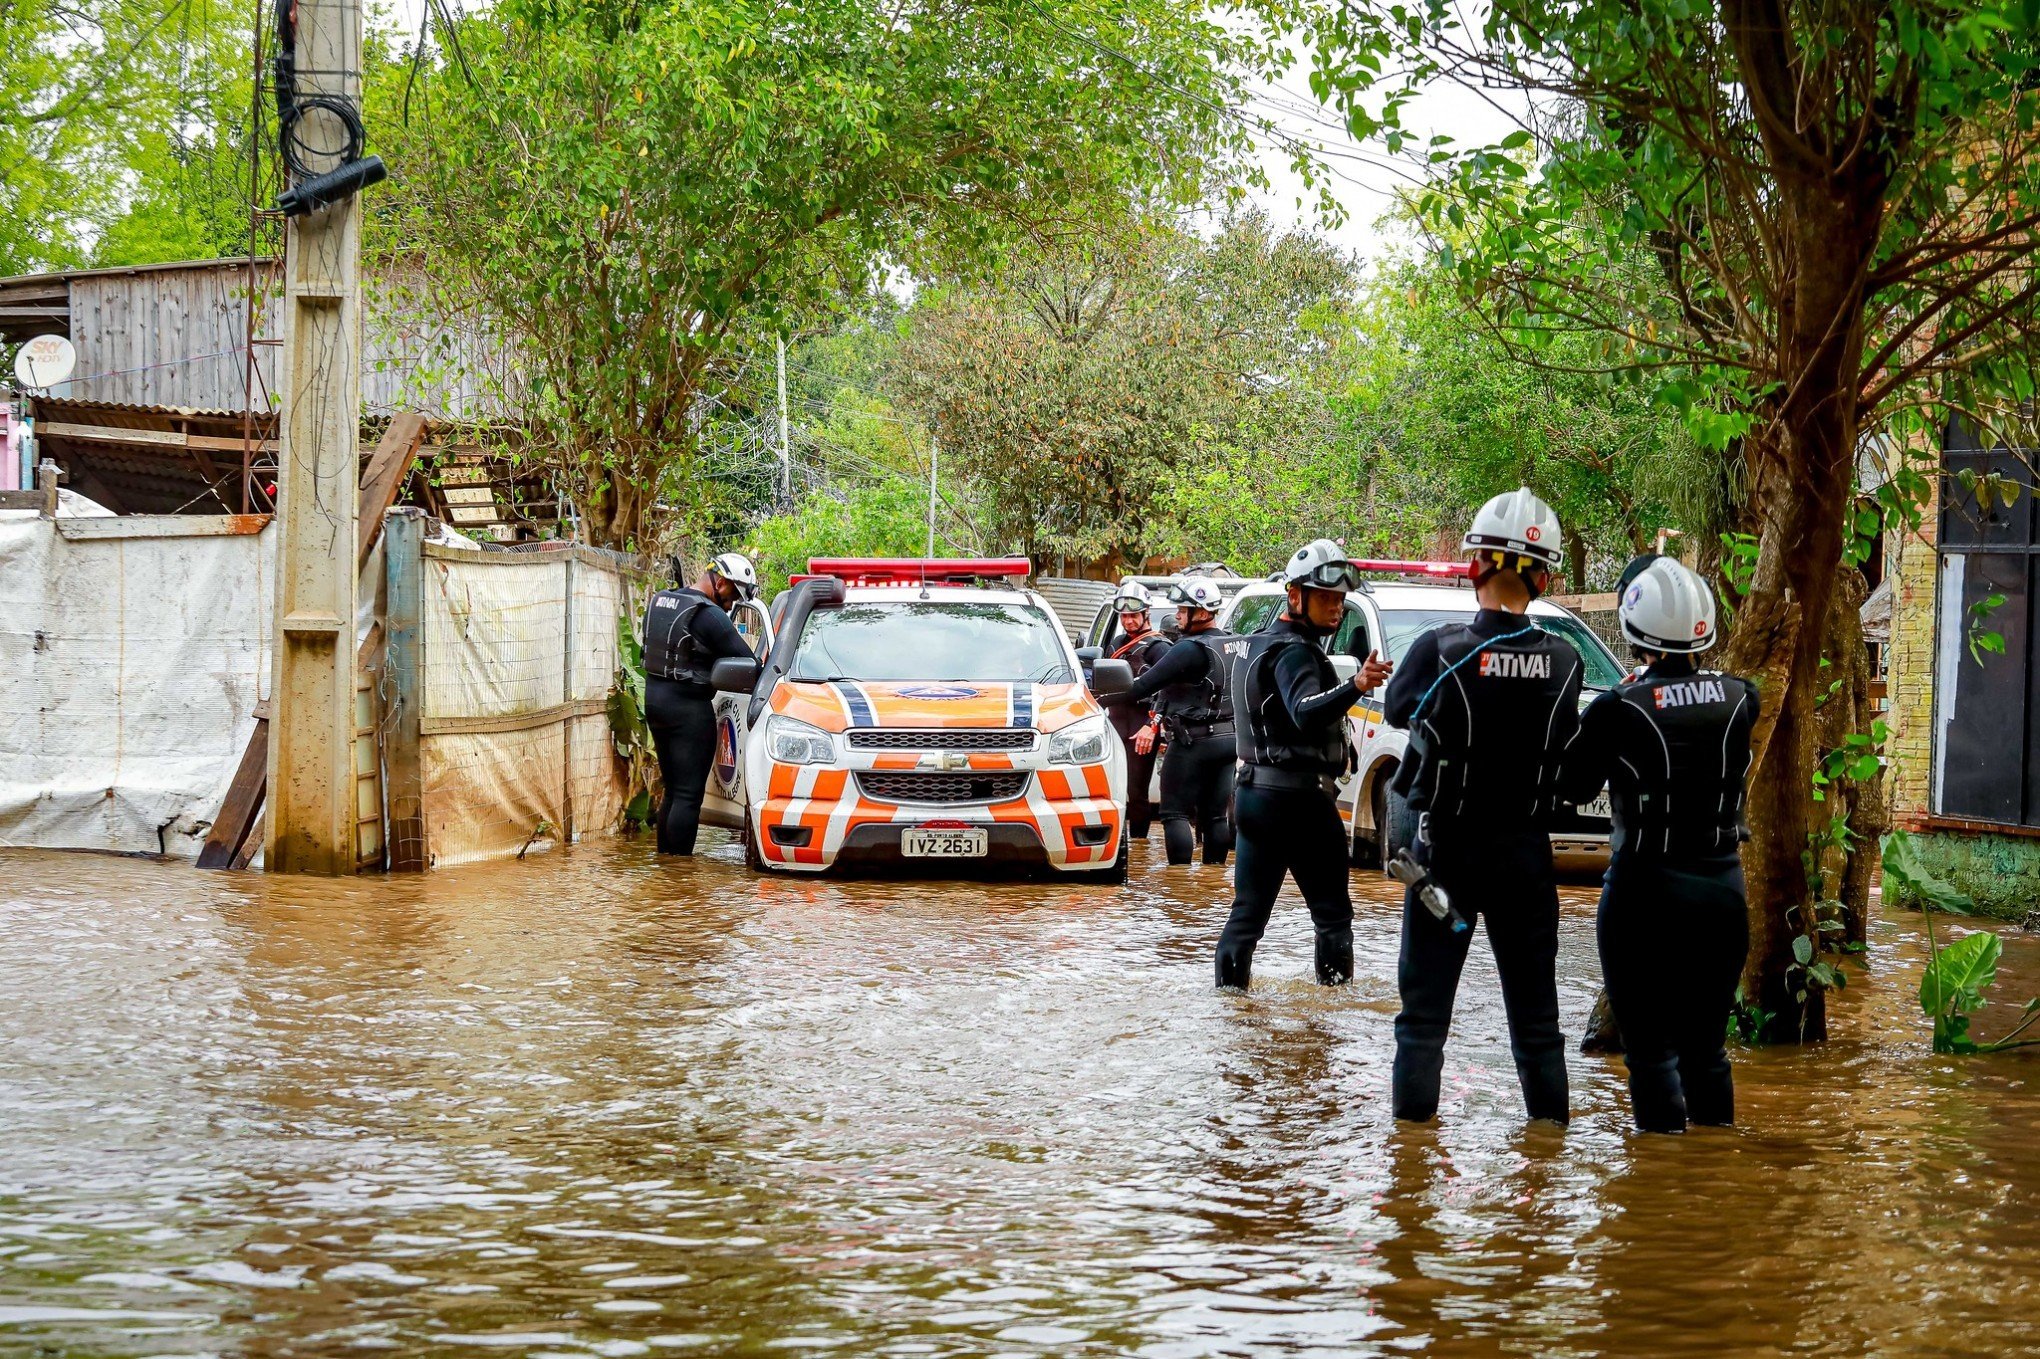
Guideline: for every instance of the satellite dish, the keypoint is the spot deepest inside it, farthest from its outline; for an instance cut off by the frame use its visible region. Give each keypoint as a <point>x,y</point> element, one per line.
<point>45,361</point>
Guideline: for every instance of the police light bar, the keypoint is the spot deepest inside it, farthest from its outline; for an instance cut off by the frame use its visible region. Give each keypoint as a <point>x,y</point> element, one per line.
<point>1416,568</point>
<point>914,570</point>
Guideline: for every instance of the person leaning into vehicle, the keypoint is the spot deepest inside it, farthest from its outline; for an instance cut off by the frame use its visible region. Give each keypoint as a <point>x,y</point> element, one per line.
<point>1490,706</point>
<point>686,631</point>
<point>1673,747</point>
<point>1192,688</point>
<point>1291,708</point>
<point>1140,648</point>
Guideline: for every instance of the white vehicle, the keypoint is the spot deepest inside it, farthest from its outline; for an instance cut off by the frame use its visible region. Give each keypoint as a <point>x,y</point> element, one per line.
<point>1387,618</point>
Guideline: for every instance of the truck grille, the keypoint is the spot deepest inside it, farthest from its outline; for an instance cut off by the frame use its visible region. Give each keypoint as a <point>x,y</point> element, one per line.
<point>945,738</point>
<point>915,787</point>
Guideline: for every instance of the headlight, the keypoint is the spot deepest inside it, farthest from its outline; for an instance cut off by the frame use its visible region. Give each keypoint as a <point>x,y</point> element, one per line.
<point>1080,742</point>
<point>791,741</point>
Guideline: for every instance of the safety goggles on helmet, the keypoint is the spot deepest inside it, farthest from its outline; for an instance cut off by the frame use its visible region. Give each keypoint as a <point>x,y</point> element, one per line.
<point>1330,576</point>
<point>1194,594</point>
<point>1132,598</point>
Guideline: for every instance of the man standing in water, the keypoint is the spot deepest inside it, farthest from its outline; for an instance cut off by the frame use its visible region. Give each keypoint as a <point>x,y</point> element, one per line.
<point>1140,648</point>
<point>1291,707</point>
<point>686,632</point>
<point>1490,706</point>
<point>1192,685</point>
<point>1673,746</point>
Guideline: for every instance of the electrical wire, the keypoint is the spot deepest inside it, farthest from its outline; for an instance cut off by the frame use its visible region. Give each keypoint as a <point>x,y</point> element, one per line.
<point>292,107</point>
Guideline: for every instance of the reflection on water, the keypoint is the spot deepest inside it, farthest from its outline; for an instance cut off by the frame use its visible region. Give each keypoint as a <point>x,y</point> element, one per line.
<point>596,1104</point>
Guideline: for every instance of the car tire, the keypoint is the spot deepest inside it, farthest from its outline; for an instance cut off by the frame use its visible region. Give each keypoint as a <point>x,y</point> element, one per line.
<point>754,858</point>
<point>1395,825</point>
<point>1115,876</point>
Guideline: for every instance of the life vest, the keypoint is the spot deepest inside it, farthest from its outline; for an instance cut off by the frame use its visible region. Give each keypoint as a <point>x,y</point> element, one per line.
<point>1482,740</point>
<point>1267,735</point>
<point>1677,785</point>
<point>672,652</point>
<point>1191,709</point>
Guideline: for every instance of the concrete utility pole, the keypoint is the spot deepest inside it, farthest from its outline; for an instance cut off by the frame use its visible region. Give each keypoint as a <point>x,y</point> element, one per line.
<point>311,744</point>
<point>785,446</point>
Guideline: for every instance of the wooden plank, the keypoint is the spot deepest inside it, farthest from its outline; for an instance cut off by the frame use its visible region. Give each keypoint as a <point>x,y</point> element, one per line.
<point>21,500</point>
<point>239,815</point>
<point>245,855</point>
<point>110,434</point>
<point>163,526</point>
<point>389,467</point>
<point>408,832</point>
<point>526,720</point>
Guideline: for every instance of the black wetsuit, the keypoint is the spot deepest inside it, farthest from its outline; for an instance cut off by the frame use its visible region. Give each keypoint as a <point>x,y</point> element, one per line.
<point>1490,707</point>
<point>1673,746</point>
<point>686,632</point>
<point>1192,686</point>
<point>1127,718</point>
<point>1291,709</point>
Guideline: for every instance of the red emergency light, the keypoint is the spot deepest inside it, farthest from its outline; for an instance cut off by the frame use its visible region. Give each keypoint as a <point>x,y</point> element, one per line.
<point>1416,568</point>
<point>915,570</point>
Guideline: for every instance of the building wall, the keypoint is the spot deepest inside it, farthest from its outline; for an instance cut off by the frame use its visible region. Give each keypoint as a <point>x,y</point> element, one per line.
<point>173,337</point>
<point>1911,672</point>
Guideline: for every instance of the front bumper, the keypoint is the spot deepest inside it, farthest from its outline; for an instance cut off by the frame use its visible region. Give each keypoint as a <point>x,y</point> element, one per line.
<point>1064,820</point>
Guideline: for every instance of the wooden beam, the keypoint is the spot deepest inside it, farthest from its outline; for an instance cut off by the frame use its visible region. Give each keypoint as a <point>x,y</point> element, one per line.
<point>241,812</point>
<point>384,477</point>
<point>153,438</point>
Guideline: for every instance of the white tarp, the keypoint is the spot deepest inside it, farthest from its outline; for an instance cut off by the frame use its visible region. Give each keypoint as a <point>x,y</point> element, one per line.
<point>518,655</point>
<point>131,662</point>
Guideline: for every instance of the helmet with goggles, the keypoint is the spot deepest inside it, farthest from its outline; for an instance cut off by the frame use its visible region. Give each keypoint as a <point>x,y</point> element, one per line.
<point>1133,597</point>
<point>1321,564</point>
<point>1195,592</point>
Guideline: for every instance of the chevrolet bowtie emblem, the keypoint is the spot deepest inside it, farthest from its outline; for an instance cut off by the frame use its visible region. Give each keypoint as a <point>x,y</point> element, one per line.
<point>945,759</point>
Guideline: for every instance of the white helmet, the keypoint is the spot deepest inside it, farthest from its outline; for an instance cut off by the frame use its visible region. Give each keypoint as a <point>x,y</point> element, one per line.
<point>1515,522</point>
<point>1197,592</point>
<point>1133,597</point>
<point>1666,607</point>
<point>1321,564</point>
<point>736,568</point>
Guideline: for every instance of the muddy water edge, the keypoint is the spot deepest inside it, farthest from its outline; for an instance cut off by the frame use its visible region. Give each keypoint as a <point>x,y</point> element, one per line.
<point>598,1104</point>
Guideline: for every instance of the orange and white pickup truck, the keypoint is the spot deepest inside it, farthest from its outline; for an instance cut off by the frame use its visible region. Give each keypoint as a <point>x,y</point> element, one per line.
<point>911,710</point>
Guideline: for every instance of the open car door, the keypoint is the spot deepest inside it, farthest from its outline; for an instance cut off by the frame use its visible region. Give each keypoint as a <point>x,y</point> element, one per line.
<point>723,801</point>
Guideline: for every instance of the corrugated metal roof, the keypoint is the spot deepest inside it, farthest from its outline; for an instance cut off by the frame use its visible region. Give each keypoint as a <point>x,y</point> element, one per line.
<point>120,415</point>
<point>66,275</point>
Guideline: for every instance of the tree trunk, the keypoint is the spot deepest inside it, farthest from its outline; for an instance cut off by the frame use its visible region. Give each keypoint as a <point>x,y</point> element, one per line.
<point>1846,874</point>
<point>1575,564</point>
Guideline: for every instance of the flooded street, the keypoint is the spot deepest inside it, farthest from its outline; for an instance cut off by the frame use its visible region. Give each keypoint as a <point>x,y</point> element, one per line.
<point>597,1104</point>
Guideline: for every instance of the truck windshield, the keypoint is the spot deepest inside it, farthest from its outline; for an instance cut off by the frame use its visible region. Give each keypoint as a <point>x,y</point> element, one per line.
<point>1404,626</point>
<point>925,640</point>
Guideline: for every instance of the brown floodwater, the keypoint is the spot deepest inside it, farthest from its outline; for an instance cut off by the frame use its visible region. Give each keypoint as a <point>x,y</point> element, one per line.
<point>597,1104</point>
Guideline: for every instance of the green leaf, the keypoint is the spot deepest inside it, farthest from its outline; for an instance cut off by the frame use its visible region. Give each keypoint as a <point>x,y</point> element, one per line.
<point>1957,976</point>
<point>1802,949</point>
<point>1903,869</point>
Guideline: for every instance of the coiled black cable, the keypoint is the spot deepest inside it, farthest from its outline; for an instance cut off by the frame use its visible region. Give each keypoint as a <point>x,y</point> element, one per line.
<point>291,107</point>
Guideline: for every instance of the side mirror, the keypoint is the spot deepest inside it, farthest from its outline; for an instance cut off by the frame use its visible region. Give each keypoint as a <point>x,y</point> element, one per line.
<point>1110,679</point>
<point>733,675</point>
<point>1087,654</point>
<point>1345,667</point>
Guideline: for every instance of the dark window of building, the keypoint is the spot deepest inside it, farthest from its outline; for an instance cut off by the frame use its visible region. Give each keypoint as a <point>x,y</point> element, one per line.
<point>1987,702</point>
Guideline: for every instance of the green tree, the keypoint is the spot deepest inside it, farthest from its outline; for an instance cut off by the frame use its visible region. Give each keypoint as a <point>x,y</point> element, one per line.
<point>1083,388</point>
<point>1841,198</point>
<point>123,131</point>
<point>636,193</point>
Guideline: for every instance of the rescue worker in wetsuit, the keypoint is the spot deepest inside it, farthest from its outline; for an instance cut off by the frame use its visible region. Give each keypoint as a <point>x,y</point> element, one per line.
<point>1140,647</point>
<point>1490,706</point>
<point>1192,688</point>
<point>686,631</point>
<point>1290,706</point>
<point>1673,746</point>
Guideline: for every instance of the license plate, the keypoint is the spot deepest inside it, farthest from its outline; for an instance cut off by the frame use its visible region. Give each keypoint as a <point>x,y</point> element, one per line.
<point>942,844</point>
<point>1598,809</point>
